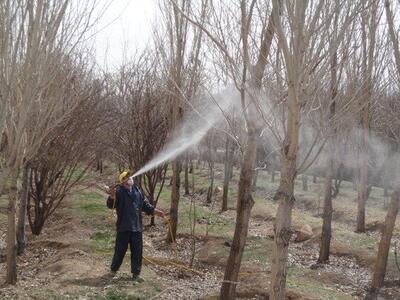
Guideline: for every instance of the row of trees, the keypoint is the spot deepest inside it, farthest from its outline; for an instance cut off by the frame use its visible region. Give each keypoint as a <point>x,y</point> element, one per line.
<point>305,71</point>
<point>50,109</point>
<point>302,73</point>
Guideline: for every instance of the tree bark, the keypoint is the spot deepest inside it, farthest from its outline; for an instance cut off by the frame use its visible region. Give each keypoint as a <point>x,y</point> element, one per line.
<point>229,149</point>
<point>176,182</point>
<point>11,276</point>
<point>245,200</point>
<point>304,180</point>
<point>354,181</point>
<point>327,215</point>
<point>187,174</point>
<point>369,24</point>
<point>21,242</point>
<point>211,187</point>
<point>384,244</point>
<point>362,194</point>
<point>328,209</point>
<point>244,204</point>
<point>282,228</point>
<point>254,184</point>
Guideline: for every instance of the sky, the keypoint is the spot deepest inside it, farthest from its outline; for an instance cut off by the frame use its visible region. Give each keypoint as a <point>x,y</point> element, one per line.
<point>125,26</point>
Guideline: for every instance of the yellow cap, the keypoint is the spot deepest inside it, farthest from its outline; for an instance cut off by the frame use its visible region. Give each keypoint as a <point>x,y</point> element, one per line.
<point>123,175</point>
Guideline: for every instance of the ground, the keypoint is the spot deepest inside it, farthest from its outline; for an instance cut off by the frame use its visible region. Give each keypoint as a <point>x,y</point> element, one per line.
<point>72,255</point>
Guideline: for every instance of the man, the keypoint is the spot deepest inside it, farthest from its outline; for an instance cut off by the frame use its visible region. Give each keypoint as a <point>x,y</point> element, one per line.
<point>129,203</point>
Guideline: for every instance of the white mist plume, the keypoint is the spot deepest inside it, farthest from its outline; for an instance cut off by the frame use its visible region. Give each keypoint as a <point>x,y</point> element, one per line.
<point>194,128</point>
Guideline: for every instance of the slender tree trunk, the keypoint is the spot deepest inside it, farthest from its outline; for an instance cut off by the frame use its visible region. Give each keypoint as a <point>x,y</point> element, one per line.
<point>227,172</point>
<point>244,204</point>
<point>304,180</point>
<point>198,163</point>
<point>22,212</point>
<point>354,180</point>
<point>99,166</point>
<point>187,174</point>
<point>255,178</point>
<point>327,215</point>
<point>11,276</point>
<point>245,200</point>
<point>191,165</point>
<point>283,231</point>
<point>211,187</point>
<point>193,186</point>
<point>254,184</point>
<point>362,192</point>
<point>369,24</point>
<point>176,182</point>
<point>151,200</point>
<point>384,244</point>
<point>327,212</point>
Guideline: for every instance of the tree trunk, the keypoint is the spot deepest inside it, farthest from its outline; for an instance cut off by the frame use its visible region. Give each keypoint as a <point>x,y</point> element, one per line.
<point>211,187</point>
<point>22,212</point>
<point>191,165</point>
<point>304,180</point>
<point>327,213</point>
<point>11,276</point>
<point>193,186</point>
<point>244,204</point>
<point>99,166</point>
<point>151,200</point>
<point>254,185</point>
<point>327,216</point>
<point>384,244</point>
<point>362,195</point>
<point>176,182</point>
<point>368,33</point>
<point>187,174</point>
<point>282,228</point>
<point>227,172</point>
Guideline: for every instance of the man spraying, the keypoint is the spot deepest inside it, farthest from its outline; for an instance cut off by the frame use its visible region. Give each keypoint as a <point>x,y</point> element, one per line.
<point>129,203</point>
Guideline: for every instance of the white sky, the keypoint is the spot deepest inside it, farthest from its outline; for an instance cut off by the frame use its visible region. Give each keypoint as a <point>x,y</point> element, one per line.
<point>125,26</point>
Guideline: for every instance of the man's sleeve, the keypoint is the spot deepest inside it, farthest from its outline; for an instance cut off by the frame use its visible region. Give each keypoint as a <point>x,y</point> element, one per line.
<point>147,207</point>
<point>110,201</point>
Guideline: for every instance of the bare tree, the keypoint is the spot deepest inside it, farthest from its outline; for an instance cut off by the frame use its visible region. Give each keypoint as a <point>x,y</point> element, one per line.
<point>296,26</point>
<point>68,151</point>
<point>369,22</point>
<point>332,170</point>
<point>35,36</point>
<point>182,52</point>
<point>245,66</point>
<point>393,208</point>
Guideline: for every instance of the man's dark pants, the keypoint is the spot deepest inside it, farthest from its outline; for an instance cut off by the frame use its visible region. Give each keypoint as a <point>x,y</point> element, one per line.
<point>135,241</point>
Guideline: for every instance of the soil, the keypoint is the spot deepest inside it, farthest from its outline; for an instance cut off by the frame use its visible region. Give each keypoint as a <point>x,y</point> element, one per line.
<point>61,261</point>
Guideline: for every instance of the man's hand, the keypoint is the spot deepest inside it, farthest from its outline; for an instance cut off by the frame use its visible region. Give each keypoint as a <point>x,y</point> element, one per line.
<point>158,212</point>
<point>107,189</point>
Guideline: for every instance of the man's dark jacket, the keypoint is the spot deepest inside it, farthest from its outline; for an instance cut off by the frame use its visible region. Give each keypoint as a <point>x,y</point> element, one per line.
<point>129,206</point>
